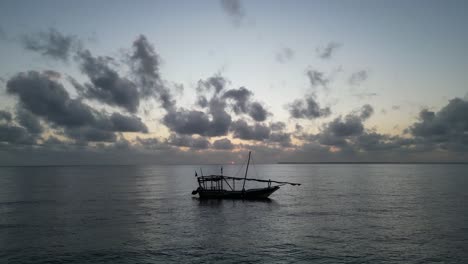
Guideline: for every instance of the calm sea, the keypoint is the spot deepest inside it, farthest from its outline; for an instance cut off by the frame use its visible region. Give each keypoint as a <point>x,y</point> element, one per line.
<point>146,214</point>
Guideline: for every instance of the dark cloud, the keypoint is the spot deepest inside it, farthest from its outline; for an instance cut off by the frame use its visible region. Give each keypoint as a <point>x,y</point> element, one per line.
<point>189,122</point>
<point>188,141</point>
<point>29,121</point>
<point>85,134</point>
<point>340,131</point>
<point>202,101</point>
<point>224,144</point>
<point>241,98</point>
<point>349,126</point>
<point>107,86</point>
<point>243,104</point>
<point>243,130</point>
<point>357,78</point>
<point>217,82</point>
<point>366,111</point>
<point>145,63</point>
<point>49,99</point>
<point>15,135</point>
<point>5,115</point>
<point>284,55</point>
<point>277,126</point>
<point>257,112</point>
<point>43,97</point>
<point>123,123</point>
<point>284,139</point>
<point>51,44</point>
<point>234,9</point>
<point>308,108</point>
<point>446,129</point>
<point>317,78</point>
<point>328,51</point>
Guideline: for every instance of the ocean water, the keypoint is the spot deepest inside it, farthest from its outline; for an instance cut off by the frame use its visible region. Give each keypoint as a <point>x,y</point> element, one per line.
<point>146,214</point>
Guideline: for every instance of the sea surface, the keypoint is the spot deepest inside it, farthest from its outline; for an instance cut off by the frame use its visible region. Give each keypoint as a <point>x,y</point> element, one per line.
<point>346,213</point>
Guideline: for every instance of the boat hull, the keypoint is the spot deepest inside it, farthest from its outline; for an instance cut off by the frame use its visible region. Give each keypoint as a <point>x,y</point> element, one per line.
<point>251,194</point>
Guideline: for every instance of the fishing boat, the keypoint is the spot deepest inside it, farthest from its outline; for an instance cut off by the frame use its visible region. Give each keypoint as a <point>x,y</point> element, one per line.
<point>224,187</point>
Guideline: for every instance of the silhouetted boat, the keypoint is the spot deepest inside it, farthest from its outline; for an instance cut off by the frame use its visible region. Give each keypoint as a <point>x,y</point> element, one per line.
<point>213,187</point>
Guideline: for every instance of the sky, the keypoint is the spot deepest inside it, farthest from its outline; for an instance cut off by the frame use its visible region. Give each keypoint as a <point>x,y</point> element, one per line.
<point>185,82</point>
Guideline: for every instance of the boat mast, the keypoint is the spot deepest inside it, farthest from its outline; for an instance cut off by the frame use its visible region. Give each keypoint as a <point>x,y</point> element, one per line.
<point>246,170</point>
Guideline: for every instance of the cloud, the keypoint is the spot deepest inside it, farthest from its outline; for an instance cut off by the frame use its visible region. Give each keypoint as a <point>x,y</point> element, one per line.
<point>446,129</point>
<point>277,126</point>
<point>284,139</point>
<point>5,115</point>
<point>284,55</point>
<point>241,98</point>
<point>29,121</point>
<point>308,108</point>
<point>317,78</point>
<point>244,131</point>
<point>51,44</point>
<point>123,123</point>
<point>15,135</point>
<point>217,82</point>
<point>243,104</point>
<point>340,130</point>
<point>145,63</point>
<point>234,9</point>
<point>366,111</point>
<point>188,141</point>
<point>49,99</point>
<point>189,122</point>
<point>357,78</point>
<point>224,144</point>
<point>88,133</point>
<point>40,96</point>
<point>328,51</point>
<point>107,85</point>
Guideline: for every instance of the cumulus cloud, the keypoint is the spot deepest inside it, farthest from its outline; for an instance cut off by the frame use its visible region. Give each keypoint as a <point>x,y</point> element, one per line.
<point>308,108</point>
<point>234,9</point>
<point>42,97</point>
<point>284,55</point>
<point>366,111</point>
<point>5,115</point>
<point>188,141</point>
<point>328,51</point>
<point>217,83</point>
<point>317,78</point>
<point>447,128</point>
<point>48,99</point>
<point>189,122</point>
<point>357,78</point>
<point>283,139</point>
<point>13,134</point>
<point>277,126</point>
<point>123,123</point>
<point>51,44</point>
<point>106,84</point>
<point>29,121</point>
<point>245,131</point>
<point>224,144</point>
<point>244,104</point>
<point>145,63</point>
